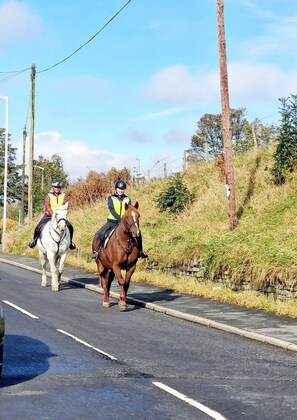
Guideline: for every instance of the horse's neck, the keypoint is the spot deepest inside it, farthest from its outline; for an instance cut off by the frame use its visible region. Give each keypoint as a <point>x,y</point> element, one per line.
<point>122,230</point>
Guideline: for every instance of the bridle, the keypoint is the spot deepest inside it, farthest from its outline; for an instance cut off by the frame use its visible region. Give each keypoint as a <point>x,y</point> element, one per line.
<point>61,234</point>
<point>130,225</point>
<point>128,232</point>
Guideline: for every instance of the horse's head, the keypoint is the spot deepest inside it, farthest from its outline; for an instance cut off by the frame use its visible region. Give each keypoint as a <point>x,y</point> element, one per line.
<point>59,217</point>
<point>130,219</point>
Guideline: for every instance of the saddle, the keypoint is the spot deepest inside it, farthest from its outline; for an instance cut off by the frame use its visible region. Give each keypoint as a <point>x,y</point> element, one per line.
<point>107,235</point>
<point>103,242</point>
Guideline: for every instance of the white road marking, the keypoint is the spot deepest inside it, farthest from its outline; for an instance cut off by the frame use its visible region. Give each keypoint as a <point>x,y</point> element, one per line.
<point>20,309</point>
<point>88,345</point>
<point>211,413</point>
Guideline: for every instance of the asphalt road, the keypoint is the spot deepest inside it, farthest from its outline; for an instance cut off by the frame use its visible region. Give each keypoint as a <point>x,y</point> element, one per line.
<point>68,357</point>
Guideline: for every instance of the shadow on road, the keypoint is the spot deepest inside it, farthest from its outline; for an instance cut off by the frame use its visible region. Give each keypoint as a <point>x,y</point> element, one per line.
<point>24,359</point>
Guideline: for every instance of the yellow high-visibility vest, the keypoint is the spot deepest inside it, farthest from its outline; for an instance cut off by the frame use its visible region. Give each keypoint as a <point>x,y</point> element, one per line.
<point>56,199</point>
<point>119,206</point>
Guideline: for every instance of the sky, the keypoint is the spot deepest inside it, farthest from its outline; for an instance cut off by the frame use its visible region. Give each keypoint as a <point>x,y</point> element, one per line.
<point>131,96</point>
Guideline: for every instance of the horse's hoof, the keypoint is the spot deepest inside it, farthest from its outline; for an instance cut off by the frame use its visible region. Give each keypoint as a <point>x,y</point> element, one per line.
<point>44,284</point>
<point>106,304</point>
<point>55,289</point>
<point>123,308</point>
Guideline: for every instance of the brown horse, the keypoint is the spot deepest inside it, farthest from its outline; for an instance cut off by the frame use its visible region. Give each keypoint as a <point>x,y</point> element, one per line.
<point>120,253</point>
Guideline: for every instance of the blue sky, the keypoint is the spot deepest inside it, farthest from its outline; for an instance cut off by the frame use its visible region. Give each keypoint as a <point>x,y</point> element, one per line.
<point>132,96</point>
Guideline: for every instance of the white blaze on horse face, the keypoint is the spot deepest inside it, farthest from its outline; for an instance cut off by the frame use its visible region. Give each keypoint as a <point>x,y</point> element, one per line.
<point>61,216</point>
<point>135,223</point>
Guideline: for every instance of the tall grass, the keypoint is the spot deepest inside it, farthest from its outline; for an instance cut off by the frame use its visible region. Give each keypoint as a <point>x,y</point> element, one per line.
<point>262,247</point>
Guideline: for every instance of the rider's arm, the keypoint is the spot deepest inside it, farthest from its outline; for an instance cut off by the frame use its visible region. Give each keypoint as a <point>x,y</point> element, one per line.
<point>111,208</point>
<point>47,207</point>
<point>65,199</point>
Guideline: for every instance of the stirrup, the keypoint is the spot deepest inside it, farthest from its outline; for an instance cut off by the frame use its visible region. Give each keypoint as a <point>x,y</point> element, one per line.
<point>72,246</point>
<point>143,254</point>
<point>32,244</point>
<point>95,254</point>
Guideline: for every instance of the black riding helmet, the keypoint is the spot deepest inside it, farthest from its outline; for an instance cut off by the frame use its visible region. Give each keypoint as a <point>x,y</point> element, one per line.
<point>120,184</point>
<point>56,184</point>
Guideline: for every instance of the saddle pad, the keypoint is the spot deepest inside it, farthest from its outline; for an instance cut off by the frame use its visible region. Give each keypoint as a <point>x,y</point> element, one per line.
<point>105,242</point>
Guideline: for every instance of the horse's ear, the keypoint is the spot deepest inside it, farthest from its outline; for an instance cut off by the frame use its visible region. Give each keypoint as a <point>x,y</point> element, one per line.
<point>136,205</point>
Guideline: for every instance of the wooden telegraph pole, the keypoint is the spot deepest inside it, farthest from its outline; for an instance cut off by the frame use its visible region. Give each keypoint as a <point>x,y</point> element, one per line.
<point>31,147</point>
<point>226,122</point>
<point>23,175</point>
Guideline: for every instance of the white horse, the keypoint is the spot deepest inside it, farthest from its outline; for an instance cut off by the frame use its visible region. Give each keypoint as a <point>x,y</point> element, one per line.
<point>54,245</point>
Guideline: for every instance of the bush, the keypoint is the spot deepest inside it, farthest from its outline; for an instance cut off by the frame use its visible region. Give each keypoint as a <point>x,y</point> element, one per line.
<point>175,196</point>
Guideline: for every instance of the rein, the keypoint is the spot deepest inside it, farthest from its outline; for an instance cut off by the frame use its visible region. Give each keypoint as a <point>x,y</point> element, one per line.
<point>61,235</point>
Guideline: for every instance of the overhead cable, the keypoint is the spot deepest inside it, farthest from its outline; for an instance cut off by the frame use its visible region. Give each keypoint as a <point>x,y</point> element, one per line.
<point>74,52</point>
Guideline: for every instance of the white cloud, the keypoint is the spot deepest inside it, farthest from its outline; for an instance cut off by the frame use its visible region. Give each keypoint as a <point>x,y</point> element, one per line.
<point>77,157</point>
<point>160,114</point>
<point>173,84</point>
<point>17,23</point>
<point>248,82</point>
<point>135,136</point>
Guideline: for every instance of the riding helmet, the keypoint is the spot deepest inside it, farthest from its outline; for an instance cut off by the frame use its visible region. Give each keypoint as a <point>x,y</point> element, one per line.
<point>120,184</point>
<point>57,184</point>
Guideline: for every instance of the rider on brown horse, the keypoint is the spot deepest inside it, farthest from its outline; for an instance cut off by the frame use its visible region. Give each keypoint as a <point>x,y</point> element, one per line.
<point>116,206</point>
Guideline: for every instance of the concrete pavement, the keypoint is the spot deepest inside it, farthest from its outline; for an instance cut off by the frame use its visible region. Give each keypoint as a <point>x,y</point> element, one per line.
<point>253,324</point>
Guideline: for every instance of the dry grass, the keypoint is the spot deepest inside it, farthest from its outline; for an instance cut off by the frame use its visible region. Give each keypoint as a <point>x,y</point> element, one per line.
<point>263,246</point>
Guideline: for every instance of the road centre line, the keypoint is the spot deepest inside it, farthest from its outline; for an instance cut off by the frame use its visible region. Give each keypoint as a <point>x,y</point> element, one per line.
<point>87,344</point>
<point>211,413</point>
<point>20,309</point>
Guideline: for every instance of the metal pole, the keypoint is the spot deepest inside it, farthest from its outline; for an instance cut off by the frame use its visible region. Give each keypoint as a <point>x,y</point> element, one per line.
<point>5,173</point>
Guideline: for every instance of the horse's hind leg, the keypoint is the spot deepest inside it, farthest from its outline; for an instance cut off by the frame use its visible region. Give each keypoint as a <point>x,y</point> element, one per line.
<point>43,260</point>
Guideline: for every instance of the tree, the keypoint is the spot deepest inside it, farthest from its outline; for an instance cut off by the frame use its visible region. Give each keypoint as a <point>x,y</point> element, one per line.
<point>53,169</point>
<point>208,139</point>
<point>207,142</point>
<point>14,181</point>
<point>286,151</point>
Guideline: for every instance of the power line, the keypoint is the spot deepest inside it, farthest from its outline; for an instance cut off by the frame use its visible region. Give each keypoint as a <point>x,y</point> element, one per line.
<point>78,49</point>
<point>6,75</point>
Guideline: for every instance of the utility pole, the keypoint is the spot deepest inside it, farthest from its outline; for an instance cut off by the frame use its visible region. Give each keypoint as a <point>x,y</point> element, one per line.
<point>226,122</point>
<point>23,174</point>
<point>254,137</point>
<point>31,146</point>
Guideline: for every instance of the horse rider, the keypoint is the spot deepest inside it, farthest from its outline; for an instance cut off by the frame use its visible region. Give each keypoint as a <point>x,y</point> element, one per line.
<point>116,206</point>
<point>52,198</point>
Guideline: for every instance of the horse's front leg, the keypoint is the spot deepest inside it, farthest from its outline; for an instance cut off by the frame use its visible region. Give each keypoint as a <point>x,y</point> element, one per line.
<point>61,267</point>
<point>124,286</point>
<point>43,260</point>
<point>54,271</point>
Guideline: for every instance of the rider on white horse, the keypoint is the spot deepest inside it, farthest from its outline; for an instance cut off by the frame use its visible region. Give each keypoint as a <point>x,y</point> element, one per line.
<point>52,198</point>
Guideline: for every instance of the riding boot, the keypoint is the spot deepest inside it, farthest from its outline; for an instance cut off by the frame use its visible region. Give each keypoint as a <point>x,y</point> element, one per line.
<point>95,254</point>
<point>33,243</point>
<point>70,227</point>
<point>142,254</point>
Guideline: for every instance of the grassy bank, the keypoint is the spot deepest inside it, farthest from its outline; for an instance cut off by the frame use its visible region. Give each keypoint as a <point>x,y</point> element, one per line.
<point>263,246</point>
